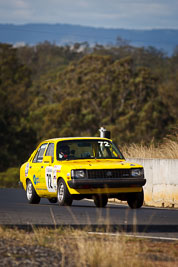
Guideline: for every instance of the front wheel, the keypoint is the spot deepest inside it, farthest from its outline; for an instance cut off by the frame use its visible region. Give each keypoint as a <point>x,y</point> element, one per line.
<point>63,195</point>
<point>135,200</point>
<point>31,194</point>
<point>100,201</point>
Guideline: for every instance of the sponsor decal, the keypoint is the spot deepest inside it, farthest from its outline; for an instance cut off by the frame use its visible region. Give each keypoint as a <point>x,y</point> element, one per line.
<point>26,169</point>
<point>58,167</point>
<point>41,189</point>
<point>132,165</point>
<point>36,180</point>
<point>56,170</point>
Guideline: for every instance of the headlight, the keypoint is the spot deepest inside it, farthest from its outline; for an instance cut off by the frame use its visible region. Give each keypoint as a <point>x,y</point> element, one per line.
<point>78,174</point>
<point>137,172</point>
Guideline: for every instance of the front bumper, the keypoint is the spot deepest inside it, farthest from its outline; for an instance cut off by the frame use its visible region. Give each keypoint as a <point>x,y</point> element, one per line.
<point>106,183</point>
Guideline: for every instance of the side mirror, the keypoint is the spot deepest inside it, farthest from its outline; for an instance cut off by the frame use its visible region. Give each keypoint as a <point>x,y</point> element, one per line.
<point>47,159</point>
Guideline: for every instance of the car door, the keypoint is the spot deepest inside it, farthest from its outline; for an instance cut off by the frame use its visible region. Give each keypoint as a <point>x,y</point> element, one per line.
<point>47,173</point>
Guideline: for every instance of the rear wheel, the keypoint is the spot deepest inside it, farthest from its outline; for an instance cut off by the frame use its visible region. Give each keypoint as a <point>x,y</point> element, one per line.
<point>135,200</point>
<point>31,194</point>
<point>100,200</point>
<point>63,195</point>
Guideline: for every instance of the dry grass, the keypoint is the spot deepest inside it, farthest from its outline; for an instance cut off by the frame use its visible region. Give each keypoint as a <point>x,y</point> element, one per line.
<point>168,149</point>
<point>79,248</point>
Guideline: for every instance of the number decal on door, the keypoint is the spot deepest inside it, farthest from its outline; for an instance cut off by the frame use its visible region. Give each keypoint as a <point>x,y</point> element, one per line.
<point>49,179</point>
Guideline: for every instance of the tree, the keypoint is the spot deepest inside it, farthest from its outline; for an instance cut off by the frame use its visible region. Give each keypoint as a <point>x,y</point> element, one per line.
<point>14,102</point>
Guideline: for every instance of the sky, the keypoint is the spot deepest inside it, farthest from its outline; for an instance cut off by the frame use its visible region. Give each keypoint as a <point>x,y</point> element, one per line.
<point>127,14</point>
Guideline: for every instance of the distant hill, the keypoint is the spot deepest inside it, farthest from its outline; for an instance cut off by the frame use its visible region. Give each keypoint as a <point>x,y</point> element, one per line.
<point>61,34</point>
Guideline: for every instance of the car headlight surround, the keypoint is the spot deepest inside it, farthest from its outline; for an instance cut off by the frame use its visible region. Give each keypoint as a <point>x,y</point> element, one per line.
<point>79,174</point>
<point>137,172</point>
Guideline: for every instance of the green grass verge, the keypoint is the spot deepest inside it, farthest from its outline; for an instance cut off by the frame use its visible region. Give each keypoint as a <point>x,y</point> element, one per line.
<point>9,178</point>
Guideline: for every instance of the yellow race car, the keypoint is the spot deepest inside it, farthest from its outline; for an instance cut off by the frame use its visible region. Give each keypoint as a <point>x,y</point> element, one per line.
<point>67,169</point>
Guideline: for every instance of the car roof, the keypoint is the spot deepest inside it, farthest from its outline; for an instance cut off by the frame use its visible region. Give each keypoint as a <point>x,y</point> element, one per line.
<point>73,138</point>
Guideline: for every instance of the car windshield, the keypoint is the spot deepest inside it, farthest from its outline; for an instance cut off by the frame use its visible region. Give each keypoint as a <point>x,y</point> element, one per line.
<point>87,149</point>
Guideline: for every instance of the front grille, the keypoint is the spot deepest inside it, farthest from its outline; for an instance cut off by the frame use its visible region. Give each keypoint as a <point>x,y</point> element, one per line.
<point>109,173</point>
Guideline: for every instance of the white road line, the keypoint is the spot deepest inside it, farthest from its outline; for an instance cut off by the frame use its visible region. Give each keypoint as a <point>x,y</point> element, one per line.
<point>137,236</point>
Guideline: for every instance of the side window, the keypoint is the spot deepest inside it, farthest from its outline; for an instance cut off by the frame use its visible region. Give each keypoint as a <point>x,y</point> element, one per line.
<point>50,151</point>
<point>39,155</point>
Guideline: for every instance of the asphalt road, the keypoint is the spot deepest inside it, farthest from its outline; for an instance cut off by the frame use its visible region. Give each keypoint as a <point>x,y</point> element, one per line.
<point>157,222</point>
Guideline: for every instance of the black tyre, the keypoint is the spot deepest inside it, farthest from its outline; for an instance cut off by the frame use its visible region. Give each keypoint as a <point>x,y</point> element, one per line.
<point>53,200</point>
<point>63,195</point>
<point>31,194</point>
<point>135,200</point>
<point>100,201</point>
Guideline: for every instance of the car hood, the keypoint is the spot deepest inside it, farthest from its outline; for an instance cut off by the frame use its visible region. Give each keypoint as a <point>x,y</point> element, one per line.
<point>101,164</point>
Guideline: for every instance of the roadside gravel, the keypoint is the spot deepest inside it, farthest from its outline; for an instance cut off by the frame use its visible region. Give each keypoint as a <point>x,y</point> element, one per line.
<point>68,247</point>
<point>14,254</point>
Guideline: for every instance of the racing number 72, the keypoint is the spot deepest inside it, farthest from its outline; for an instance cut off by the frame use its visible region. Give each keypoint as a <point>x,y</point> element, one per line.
<point>49,178</point>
